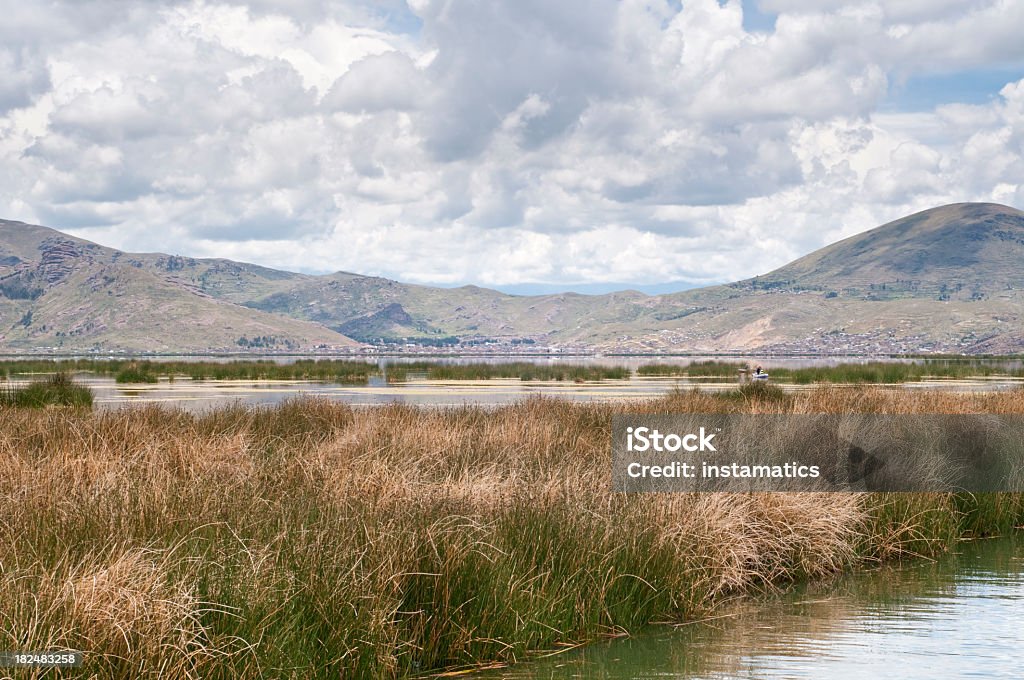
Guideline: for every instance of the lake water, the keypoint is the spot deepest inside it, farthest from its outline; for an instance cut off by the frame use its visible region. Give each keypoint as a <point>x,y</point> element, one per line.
<point>632,362</point>
<point>959,617</point>
<point>201,394</point>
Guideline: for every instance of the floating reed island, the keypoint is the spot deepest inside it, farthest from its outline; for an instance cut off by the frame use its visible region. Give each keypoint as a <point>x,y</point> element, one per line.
<point>316,540</point>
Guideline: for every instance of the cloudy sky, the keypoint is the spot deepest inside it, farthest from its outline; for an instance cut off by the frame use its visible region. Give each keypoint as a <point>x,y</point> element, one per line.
<point>577,144</point>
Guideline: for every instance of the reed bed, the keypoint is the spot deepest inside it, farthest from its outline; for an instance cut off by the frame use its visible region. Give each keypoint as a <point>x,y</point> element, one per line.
<point>696,369</point>
<point>56,390</point>
<point>521,370</point>
<point>355,371</point>
<point>315,540</point>
<point>134,374</point>
<point>348,371</point>
<point>872,372</point>
<point>145,371</point>
<point>891,372</point>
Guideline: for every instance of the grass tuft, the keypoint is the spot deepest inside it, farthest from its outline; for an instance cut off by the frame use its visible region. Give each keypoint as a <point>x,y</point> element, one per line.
<point>135,374</point>
<point>760,391</point>
<point>56,390</point>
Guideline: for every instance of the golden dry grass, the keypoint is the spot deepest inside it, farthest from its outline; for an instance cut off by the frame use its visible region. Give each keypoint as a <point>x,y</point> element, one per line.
<point>318,540</point>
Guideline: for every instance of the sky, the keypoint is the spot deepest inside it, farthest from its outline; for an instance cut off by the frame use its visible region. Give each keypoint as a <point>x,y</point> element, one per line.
<point>526,146</point>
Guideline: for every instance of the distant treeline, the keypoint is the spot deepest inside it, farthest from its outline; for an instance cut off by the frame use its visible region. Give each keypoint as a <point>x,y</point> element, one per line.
<point>354,371</point>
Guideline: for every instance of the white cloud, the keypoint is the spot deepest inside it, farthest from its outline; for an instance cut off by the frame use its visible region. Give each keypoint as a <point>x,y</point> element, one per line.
<point>378,82</point>
<point>495,142</point>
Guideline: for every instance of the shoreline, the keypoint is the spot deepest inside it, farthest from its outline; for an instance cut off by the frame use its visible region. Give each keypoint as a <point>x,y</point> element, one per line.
<point>834,616</point>
<point>376,353</point>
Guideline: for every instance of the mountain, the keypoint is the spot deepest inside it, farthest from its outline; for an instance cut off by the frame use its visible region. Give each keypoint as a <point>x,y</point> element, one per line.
<point>354,304</point>
<point>946,279</point>
<point>61,292</point>
<point>977,245</point>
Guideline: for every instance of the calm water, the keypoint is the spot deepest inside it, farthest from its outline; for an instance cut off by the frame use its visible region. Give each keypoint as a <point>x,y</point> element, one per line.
<point>631,362</point>
<point>200,395</point>
<point>960,617</point>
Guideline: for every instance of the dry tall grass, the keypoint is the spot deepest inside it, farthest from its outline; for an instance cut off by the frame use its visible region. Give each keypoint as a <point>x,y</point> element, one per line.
<point>318,540</point>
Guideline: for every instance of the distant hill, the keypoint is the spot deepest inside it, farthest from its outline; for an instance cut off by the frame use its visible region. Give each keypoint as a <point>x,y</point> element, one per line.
<point>975,245</point>
<point>946,279</point>
<point>60,292</point>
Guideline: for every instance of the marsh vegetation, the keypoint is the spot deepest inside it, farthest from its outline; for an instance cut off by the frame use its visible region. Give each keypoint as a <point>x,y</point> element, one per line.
<point>56,390</point>
<point>519,370</point>
<point>314,539</point>
<point>359,372</point>
<point>871,372</point>
<point>345,371</point>
<point>145,371</point>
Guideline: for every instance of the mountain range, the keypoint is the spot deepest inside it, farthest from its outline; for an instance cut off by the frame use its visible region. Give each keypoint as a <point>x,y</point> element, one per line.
<point>948,279</point>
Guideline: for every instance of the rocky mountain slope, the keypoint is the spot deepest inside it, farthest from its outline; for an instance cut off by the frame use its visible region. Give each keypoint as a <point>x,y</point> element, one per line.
<point>60,292</point>
<point>946,279</point>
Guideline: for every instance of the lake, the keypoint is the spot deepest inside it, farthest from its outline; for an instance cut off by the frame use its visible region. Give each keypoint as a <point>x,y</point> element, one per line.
<point>958,617</point>
<point>199,395</point>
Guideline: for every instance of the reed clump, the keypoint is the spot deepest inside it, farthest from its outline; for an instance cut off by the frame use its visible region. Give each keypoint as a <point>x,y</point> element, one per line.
<point>135,373</point>
<point>325,370</point>
<point>867,373</point>
<point>314,539</point>
<point>759,392</point>
<point>696,369</point>
<point>521,370</point>
<point>56,390</point>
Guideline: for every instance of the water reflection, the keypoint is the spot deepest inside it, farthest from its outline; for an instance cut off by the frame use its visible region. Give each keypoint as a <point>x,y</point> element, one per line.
<point>959,617</point>
<point>197,394</point>
<point>202,394</point>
